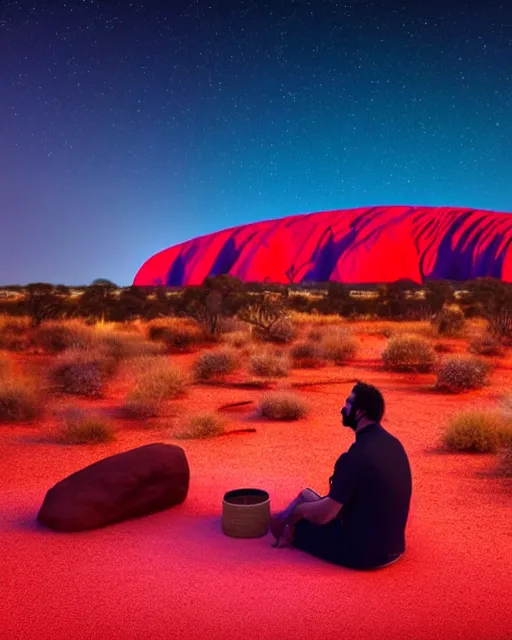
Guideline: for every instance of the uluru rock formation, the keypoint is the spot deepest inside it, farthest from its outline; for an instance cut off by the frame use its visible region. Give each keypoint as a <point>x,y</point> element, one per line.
<point>354,246</point>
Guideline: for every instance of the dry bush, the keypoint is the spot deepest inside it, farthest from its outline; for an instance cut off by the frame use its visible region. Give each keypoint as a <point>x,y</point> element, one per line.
<point>122,345</point>
<point>226,325</point>
<point>409,353</point>
<point>20,400</point>
<point>14,333</point>
<point>201,425</point>
<point>486,345</point>
<point>313,319</point>
<point>157,380</point>
<point>339,346</point>
<point>282,332</point>
<point>216,364</point>
<point>450,321</point>
<point>504,462</point>
<point>442,347</point>
<point>6,368</point>
<point>268,364</point>
<point>462,373</point>
<point>141,406</point>
<point>55,336</point>
<point>83,373</point>
<point>177,334</point>
<point>281,405</point>
<point>78,427</point>
<point>389,329</point>
<point>475,431</point>
<point>237,339</point>
<point>307,355</point>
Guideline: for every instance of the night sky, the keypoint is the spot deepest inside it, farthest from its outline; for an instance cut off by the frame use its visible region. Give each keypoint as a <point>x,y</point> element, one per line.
<point>127,127</point>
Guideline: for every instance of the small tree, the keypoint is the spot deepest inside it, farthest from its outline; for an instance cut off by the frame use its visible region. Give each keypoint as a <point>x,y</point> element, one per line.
<point>263,315</point>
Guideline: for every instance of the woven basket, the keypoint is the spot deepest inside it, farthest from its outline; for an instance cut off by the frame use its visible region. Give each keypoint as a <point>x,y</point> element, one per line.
<point>246,513</point>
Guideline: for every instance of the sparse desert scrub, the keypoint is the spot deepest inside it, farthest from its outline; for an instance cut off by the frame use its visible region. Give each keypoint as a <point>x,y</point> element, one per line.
<point>78,427</point>
<point>14,333</point>
<point>462,373</point>
<point>121,345</point>
<point>475,431</point>
<point>55,336</point>
<point>6,368</point>
<point>504,462</point>
<point>307,355</point>
<point>83,373</point>
<point>282,332</point>
<point>269,364</point>
<point>280,405</point>
<point>216,364</point>
<point>309,320</point>
<point>339,345</point>
<point>177,334</point>
<point>409,352</point>
<point>202,425</point>
<point>442,347</point>
<point>450,321</point>
<point>142,406</point>
<point>486,345</point>
<point>20,400</point>
<point>389,328</point>
<point>157,380</point>
<point>237,339</point>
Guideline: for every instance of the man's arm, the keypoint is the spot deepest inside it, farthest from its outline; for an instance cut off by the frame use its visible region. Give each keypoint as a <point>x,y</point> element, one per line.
<point>319,512</point>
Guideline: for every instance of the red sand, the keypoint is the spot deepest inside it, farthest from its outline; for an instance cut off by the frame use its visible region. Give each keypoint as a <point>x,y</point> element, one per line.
<point>176,575</point>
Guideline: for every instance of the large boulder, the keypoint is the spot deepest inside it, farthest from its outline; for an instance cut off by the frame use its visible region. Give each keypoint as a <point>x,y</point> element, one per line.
<point>126,485</point>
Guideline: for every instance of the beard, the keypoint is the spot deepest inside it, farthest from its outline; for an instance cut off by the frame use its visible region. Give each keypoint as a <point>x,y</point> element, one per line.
<point>349,419</point>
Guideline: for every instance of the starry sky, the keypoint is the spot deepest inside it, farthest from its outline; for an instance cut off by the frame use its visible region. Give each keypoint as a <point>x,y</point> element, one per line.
<point>127,127</point>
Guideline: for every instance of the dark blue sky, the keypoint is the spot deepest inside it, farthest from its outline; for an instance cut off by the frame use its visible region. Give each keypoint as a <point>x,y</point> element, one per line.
<point>127,127</point>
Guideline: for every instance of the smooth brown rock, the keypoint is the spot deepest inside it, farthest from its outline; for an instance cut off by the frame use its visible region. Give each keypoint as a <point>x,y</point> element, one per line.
<point>126,485</point>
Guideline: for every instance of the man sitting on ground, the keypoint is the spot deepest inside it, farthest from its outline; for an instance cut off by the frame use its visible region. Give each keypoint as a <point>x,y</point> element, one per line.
<point>361,522</point>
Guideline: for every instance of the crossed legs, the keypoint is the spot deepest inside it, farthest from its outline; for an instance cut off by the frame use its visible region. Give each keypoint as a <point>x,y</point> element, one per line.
<point>282,533</point>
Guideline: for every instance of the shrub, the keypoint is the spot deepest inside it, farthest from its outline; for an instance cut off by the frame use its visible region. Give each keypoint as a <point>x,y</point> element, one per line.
<point>486,345</point>
<point>237,339</point>
<point>202,425</point>
<point>282,406</point>
<point>55,336</point>
<point>176,334</point>
<point>282,332</point>
<point>269,365</point>
<point>77,427</point>
<point>409,353</point>
<point>19,400</point>
<point>461,373</point>
<point>307,355</point>
<point>216,364</point>
<point>450,321</point>
<point>474,431</point>
<point>141,406</point>
<point>339,346</point>
<point>6,368</point>
<point>14,333</point>
<point>121,345</point>
<point>442,347</point>
<point>82,373</point>
<point>316,334</point>
<point>158,378</point>
<point>504,464</point>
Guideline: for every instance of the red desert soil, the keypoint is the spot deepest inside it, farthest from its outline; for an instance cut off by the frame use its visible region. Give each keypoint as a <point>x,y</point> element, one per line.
<point>175,575</point>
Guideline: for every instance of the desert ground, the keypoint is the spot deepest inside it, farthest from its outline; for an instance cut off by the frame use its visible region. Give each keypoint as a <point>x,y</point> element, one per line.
<point>174,574</point>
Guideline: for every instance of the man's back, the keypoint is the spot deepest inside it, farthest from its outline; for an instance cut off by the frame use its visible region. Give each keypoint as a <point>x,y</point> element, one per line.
<point>375,486</point>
